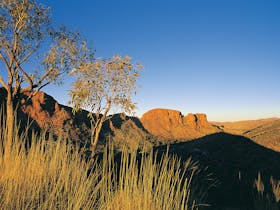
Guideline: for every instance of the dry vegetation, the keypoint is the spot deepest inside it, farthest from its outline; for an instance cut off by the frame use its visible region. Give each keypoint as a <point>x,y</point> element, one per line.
<point>267,196</point>
<point>131,138</point>
<point>53,175</point>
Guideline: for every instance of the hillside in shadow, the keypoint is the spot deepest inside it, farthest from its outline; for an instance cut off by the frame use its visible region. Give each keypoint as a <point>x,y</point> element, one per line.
<point>234,161</point>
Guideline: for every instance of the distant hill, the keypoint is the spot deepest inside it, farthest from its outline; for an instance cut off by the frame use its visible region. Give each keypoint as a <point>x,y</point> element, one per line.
<point>240,127</point>
<point>265,132</point>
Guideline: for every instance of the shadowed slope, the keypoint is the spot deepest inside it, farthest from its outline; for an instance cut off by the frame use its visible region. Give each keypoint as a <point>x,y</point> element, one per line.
<point>234,160</point>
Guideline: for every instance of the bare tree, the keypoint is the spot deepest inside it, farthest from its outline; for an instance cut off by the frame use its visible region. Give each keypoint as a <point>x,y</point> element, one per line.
<point>102,84</point>
<point>25,31</point>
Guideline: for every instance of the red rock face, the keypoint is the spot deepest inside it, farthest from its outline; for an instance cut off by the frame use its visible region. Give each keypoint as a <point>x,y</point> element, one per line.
<point>44,112</point>
<point>171,124</point>
<point>47,113</point>
<point>161,122</point>
<point>197,121</point>
<point>191,120</point>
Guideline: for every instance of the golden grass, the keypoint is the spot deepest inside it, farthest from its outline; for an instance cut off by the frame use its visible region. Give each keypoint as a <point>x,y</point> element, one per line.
<point>267,196</point>
<point>149,183</point>
<point>50,175</point>
<point>53,175</point>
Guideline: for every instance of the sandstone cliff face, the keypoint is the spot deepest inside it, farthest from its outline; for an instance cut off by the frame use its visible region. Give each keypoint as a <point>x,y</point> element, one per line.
<point>44,112</point>
<point>171,124</point>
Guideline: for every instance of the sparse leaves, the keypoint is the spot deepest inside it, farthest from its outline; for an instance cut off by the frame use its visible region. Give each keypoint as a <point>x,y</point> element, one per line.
<point>102,84</point>
<point>104,81</point>
<point>25,28</point>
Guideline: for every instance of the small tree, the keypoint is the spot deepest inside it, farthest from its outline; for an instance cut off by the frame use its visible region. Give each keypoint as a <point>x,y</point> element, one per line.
<point>25,31</point>
<point>102,84</point>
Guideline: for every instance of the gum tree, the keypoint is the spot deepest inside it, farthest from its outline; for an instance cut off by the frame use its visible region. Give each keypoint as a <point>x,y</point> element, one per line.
<point>103,84</point>
<point>26,32</point>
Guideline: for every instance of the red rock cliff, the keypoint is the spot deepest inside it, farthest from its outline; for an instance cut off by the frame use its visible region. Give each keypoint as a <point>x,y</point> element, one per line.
<point>171,124</point>
<point>44,112</point>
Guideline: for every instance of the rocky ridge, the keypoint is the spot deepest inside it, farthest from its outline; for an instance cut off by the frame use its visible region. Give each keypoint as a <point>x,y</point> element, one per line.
<point>169,125</point>
<point>47,114</point>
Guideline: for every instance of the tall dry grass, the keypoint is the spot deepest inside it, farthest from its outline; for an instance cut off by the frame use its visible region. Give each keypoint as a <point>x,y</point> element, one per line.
<point>149,182</point>
<point>267,195</point>
<point>47,174</point>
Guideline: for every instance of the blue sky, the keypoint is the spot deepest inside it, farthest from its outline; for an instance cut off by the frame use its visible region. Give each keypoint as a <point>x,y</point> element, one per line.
<point>220,57</point>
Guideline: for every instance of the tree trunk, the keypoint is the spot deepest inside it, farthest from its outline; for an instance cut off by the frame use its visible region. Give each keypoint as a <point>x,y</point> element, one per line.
<point>96,136</point>
<point>9,122</point>
<point>98,129</point>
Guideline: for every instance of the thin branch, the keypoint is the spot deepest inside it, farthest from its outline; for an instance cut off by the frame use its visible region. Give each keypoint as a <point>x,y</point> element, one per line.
<point>17,85</point>
<point>9,70</point>
<point>26,57</point>
<point>5,61</point>
<point>27,77</point>
<point>39,83</point>
<point>3,83</point>
<point>42,86</point>
<point>15,42</point>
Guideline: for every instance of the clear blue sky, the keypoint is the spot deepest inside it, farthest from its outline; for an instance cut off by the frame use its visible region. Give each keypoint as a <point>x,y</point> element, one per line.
<point>220,57</point>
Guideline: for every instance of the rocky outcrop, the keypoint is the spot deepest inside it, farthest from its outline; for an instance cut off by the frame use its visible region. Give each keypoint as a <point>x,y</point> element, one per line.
<point>46,111</point>
<point>40,111</point>
<point>197,121</point>
<point>171,124</point>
